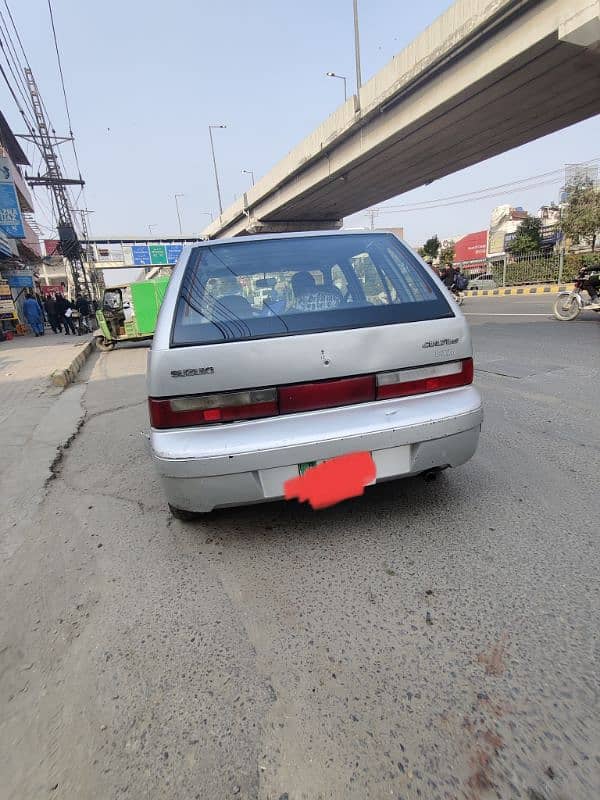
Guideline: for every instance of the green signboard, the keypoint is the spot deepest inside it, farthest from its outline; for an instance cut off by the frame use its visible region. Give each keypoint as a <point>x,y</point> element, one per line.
<point>158,254</point>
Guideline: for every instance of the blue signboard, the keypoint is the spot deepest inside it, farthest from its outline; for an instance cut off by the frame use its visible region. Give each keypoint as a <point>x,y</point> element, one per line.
<point>11,221</point>
<point>20,281</point>
<point>140,254</point>
<point>549,234</point>
<point>173,253</point>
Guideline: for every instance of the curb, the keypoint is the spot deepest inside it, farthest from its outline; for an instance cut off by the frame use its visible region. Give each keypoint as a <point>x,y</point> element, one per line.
<point>552,289</point>
<point>63,377</point>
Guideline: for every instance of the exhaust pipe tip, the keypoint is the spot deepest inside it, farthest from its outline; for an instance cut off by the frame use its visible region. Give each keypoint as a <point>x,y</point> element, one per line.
<point>431,474</point>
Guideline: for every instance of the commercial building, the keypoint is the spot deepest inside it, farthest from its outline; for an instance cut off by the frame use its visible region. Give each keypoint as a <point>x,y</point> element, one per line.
<point>20,252</point>
<point>505,221</point>
<point>54,273</point>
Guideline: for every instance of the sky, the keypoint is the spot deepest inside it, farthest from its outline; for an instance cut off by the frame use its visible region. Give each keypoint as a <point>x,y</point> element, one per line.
<point>145,78</point>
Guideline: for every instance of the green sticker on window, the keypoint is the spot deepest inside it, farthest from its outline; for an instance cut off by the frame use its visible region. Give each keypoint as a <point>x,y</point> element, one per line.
<point>306,465</point>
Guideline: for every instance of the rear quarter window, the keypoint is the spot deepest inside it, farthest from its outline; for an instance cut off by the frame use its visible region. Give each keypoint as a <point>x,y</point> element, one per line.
<point>293,285</point>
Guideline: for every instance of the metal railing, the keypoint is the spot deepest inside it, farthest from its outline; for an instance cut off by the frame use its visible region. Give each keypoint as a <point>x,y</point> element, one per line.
<point>530,268</point>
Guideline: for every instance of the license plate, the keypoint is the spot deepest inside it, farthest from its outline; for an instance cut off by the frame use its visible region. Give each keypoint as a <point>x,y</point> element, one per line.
<point>306,465</point>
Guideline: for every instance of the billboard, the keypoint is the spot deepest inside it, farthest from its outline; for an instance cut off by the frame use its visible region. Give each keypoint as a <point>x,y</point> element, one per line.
<point>11,221</point>
<point>549,235</point>
<point>20,281</point>
<point>471,249</point>
<point>53,288</point>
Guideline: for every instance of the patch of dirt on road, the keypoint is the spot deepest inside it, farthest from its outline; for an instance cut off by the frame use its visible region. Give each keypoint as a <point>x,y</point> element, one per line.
<point>493,660</point>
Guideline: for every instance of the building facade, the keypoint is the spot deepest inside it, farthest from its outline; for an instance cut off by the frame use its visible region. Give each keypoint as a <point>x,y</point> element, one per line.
<point>20,252</point>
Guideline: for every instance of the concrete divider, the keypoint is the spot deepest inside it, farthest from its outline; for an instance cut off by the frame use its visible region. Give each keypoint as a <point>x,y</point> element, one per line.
<point>72,361</point>
<point>537,289</point>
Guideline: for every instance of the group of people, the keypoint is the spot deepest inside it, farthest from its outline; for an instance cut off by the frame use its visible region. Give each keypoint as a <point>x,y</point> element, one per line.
<point>58,310</point>
<point>453,279</point>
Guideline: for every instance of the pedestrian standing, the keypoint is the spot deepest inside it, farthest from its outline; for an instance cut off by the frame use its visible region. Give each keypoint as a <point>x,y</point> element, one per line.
<point>52,313</point>
<point>82,304</point>
<point>34,314</point>
<point>40,303</point>
<point>64,312</point>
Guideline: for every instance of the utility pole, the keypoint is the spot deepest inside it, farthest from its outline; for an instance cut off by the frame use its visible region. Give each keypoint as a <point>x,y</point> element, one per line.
<point>357,48</point>
<point>90,255</point>
<point>372,214</point>
<point>54,180</point>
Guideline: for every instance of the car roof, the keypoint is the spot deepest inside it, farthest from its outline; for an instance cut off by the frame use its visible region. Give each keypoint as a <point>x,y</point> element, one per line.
<point>258,237</point>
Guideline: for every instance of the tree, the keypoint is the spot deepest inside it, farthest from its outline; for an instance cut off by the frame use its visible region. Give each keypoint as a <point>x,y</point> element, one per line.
<point>527,239</point>
<point>582,214</point>
<point>431,247</point>
<point>447,255</point>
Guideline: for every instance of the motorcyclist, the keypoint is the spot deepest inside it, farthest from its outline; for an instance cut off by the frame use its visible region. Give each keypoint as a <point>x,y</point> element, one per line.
<point>590,277</point>
<point>448,276</point>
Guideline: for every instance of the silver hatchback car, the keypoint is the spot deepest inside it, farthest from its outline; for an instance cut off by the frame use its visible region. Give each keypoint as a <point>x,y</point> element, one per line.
<point>274,353</point>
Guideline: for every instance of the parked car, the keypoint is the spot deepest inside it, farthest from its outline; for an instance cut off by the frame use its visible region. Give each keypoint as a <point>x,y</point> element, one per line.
<point>485,281</point>
<point>243,399</point>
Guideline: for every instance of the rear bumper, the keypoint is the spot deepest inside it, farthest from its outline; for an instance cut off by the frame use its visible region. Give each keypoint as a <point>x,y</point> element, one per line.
<point>249,462</point>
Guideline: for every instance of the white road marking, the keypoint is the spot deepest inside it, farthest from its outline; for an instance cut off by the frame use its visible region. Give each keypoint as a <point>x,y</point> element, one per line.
<point>494,314</point>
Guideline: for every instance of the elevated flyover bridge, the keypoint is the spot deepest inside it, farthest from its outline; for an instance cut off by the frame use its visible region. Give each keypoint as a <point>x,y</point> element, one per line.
<point>486,76</point>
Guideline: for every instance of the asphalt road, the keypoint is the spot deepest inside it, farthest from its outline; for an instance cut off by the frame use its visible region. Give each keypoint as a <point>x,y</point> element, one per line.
<point>429,640</point>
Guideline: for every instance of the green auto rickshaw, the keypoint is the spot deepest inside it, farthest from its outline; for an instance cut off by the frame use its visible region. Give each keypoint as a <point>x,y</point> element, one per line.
<point>128,312</point>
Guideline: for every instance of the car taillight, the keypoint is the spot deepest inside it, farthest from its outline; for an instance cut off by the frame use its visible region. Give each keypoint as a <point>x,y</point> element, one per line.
<point>179,412</point>
<point>405,382</point>
<point>326,394</point>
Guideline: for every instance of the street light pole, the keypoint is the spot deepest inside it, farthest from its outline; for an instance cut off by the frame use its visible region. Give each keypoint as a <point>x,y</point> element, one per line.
<point>249,172</point>
<point>341,77</point>
<point>177,196</point>
<point>357,47</point>
<point>212,149</point>
<point>150,228</point>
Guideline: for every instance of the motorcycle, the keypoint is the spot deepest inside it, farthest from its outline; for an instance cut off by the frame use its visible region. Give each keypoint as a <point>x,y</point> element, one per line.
<point>82,325</point>
<point>568,305</point>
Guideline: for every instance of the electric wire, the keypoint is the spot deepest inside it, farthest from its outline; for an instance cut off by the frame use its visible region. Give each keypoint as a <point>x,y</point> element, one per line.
<point>15,68</point>
<point>14,96</point>
<point>62,83</point>
<point>466,200</point>
<point>534,181</point>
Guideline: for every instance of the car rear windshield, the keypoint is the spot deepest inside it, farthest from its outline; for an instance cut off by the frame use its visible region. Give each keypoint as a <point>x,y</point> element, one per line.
<point>306,284</point>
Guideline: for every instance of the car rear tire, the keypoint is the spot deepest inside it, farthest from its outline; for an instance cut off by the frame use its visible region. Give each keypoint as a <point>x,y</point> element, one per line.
<point>182,514</point>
